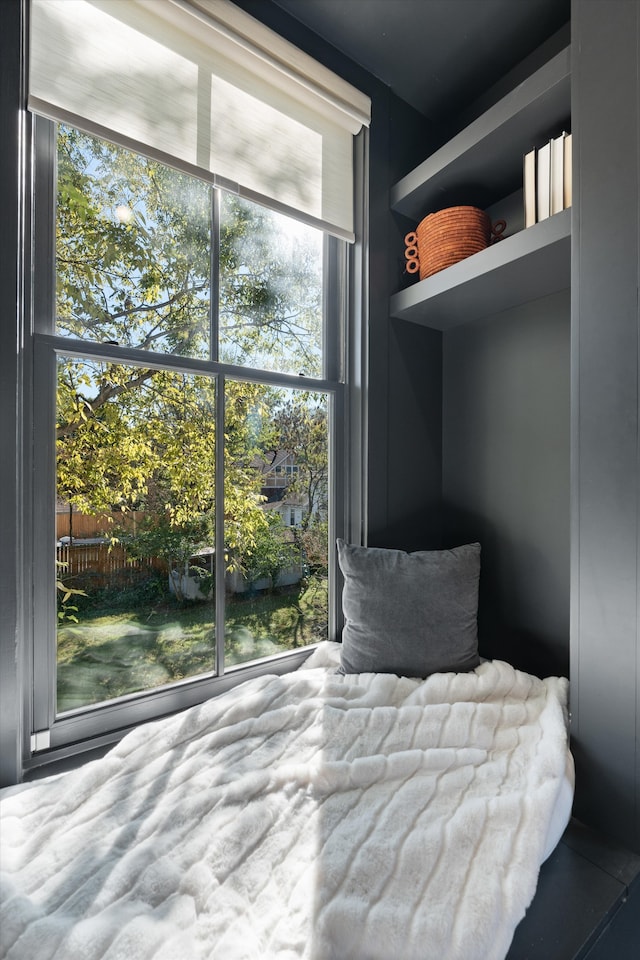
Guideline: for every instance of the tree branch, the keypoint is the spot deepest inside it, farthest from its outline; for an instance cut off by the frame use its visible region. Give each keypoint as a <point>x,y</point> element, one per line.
<point>150,307</point>
<point>106,393</point>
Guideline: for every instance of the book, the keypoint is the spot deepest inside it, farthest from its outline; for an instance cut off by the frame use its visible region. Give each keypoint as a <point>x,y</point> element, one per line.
<point>529,188</point>
<point>543,182</point>
<point>568,180</point>
<point>556,174</point>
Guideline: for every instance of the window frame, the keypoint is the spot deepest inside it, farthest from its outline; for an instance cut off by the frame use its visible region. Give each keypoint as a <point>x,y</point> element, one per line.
<point>99,725</point>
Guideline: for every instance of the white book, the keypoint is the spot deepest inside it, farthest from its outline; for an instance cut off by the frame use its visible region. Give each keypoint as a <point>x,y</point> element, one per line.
<point>529,188</point>
<point>556,203</point>
<point>543,182</point>
<point>568,178</point>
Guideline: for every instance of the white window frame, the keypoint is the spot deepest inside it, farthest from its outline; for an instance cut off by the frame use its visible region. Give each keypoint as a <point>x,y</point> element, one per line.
<point>343,382</point>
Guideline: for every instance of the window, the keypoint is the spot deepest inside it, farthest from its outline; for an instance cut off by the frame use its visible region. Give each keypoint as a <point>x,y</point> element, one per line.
<point>190,378</point>
<point>158,458</point>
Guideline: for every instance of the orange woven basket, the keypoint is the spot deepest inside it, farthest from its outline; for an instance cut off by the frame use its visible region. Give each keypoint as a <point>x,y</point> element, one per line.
<point>446,237</point>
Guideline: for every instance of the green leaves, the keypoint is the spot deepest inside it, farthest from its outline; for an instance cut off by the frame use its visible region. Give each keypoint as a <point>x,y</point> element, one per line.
<point>66,611</point>
<point>271,552</point>
<point>133,268</point>
<point>270,290</point>
<point>132,249</point>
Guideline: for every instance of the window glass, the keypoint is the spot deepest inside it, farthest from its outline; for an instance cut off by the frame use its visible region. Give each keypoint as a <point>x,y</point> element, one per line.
<point>135,520</point>
<point>166,532</point>
<point>277,568</point>
<point>270,290</point>
<point>133,249</point>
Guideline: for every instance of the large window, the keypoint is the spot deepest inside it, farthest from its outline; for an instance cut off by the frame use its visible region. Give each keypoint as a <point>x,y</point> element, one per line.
<point>193,344</point>
<point>194,209</point>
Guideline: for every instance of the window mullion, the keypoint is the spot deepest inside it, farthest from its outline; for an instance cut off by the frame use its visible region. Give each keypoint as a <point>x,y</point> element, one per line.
<point>214,318</point>
<point>214,283</point>
<point>220,563</point>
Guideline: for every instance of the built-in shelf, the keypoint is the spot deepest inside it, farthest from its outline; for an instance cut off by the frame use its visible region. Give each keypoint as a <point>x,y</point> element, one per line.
<point>482,166</point>
<point>530,264</point>
<point>483,163</point>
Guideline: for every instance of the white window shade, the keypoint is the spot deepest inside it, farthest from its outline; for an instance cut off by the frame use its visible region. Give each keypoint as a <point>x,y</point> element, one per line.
<point>207,88</point>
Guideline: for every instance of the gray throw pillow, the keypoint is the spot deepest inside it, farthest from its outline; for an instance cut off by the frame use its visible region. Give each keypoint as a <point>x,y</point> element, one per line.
<point>412,614</point>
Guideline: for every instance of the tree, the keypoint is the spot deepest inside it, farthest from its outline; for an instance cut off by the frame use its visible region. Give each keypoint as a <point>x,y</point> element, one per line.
<point>133,260</point>
<point>133,257</point>
<point>132,249</point>
<point>150,447</point>
<point>300,428</point>
<point>270,291</point>
<point>271,553</point>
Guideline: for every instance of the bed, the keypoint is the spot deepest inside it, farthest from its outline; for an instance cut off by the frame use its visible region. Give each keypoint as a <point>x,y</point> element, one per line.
<point>322,814</point>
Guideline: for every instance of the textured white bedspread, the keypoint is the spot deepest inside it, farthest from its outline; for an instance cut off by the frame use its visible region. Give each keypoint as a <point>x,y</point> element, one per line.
<point>303,816</point>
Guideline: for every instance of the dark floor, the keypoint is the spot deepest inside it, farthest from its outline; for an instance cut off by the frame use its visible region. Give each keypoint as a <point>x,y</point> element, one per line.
<point>587,905</point>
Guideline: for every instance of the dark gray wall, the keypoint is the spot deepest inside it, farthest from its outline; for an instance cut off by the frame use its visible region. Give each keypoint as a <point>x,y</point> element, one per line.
<point>412,468</point>
<point>404,363</point>
<point>506,475</point>
<point>605,651</point>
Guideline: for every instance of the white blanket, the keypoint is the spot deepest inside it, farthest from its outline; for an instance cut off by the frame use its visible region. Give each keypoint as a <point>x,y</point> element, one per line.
<point>304,816</point>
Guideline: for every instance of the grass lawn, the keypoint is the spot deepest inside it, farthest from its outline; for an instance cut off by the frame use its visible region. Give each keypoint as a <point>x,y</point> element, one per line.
<point>111,653</point>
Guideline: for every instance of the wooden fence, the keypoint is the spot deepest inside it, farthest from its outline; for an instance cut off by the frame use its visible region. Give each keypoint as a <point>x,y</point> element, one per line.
<point>80,525</point>
<point>97,565</point>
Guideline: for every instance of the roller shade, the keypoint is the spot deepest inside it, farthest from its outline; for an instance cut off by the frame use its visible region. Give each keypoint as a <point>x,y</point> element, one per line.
<point>202,86</point>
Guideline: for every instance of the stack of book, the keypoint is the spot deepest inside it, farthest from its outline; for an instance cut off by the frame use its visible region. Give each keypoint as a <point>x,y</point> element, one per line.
<point>547,179</point>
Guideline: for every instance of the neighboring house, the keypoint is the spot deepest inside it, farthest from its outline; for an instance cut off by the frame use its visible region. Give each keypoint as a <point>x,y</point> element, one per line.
<point>278,475</point>
<point>291,509</point>
<point>280,472</point>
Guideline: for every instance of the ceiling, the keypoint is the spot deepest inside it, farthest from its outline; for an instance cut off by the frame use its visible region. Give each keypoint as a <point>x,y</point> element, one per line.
<point>432,52</point>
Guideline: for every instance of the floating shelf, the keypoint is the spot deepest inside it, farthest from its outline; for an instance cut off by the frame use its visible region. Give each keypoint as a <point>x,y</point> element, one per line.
<point>530,264</point>
<point>483,163</point>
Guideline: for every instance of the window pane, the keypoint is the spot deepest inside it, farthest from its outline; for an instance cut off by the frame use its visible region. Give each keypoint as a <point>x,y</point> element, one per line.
<point>135,529</point>
<point>132,249</point>
<point>276,532</point>
<point>270,290</point>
